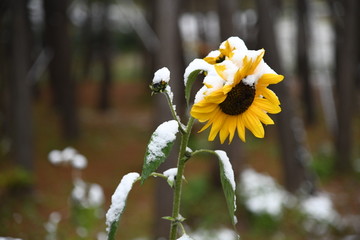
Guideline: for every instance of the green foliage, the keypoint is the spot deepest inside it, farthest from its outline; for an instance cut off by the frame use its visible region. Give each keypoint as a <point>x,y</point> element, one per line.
<point>323,165</point>
<point>15,178</point>
<point>86,217</point>
<point>264,224</point>
<point>153,160</point>
<point>203,204</point>
<point>229,193</point>
<point>190,81</point>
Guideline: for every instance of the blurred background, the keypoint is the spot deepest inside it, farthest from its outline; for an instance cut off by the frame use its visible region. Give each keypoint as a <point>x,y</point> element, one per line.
<point>74,77</point>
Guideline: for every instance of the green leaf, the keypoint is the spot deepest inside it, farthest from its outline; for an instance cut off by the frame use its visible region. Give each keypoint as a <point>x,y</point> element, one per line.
<point>159,147</point>
<point>189,82</point>
<point>169,218</point>
<point>228,183</point>
<point>118,203</point>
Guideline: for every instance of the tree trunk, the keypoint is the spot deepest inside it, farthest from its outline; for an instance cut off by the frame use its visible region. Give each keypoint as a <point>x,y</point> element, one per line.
<point>303,71</point>
<point>226,10</point>
<point>168,55</point>
<point>105,57</point>
<point>20,90</point>
<point>291,149</point>
<point>62,83</point>
<point>347,75</point>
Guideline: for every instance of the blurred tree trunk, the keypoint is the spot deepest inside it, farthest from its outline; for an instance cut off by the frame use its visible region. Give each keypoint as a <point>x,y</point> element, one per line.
<point>169,54</point>
<point>292,159</point>
<point>88,40</point>
<point>345,89</point>
<point>62,82</point>
<point>105,57</point>
<point>20,89</point>
<point>303,71</point>
<point>226,10</point>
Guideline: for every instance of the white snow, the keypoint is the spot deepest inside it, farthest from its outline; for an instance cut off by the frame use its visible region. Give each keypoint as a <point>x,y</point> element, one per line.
<point>198,64</point>
<point>68,154</point>
<point>185,237</point>
<point>216,234</point>
<point>262,194</point>
<point>96,195</point>
<point>51,226</point>
<point>164,134</point>
<point>163,74</point>
<point>101,236</point>
<point>189,150</point>
<point>235,43</point>
<point>119,197</point>
<point>319,207</point>
<point>79,191</point>
<point>214,54</point>
<point>79,161</point>
<point>55,217</point>
<point>55,157</point>
<point>171,174</point>
<point>228,170</point>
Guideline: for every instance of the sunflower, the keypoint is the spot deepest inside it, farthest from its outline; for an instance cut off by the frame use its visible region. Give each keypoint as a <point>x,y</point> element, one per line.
<point>236,96</point>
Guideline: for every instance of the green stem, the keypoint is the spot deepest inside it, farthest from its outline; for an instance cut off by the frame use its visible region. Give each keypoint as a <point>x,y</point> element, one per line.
<point>178,181</point>
<point>202,151</point>
<point>173,112</point>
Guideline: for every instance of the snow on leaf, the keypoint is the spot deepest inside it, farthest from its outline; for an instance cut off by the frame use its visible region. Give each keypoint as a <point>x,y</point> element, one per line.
<point>159,147</point>
<point>185,237</point>
<point>170,174</point>
<point>227,182</point>
<point>118,201</point>
<point>192,71</point>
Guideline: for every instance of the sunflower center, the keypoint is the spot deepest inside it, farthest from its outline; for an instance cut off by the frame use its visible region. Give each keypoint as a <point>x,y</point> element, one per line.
<point>238,100</point>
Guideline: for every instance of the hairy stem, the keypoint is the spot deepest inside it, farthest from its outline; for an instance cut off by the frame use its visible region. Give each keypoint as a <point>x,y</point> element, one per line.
<point>173,112</point>
<point>178,181</point>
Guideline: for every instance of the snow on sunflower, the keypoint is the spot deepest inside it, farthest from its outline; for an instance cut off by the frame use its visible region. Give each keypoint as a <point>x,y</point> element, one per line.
<point>235,96</point>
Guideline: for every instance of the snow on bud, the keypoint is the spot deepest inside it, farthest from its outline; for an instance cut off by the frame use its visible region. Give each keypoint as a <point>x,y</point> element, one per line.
<point>160,80</point>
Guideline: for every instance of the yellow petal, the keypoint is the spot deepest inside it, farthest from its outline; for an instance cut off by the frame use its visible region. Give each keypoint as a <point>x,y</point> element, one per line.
<point>271,96</point>
<point>232,123</point>
<point>241,127</point>
<point>214,116</point>
<point>224,131</point>
<point>210,60</point>
<point>204,108</point>
<point>270,78</point>
<point>220,70</point>
<point>261,114</point>
<point>203,117</point>
<point>266,105</point>
<point>216,126</point>
<point>253,124</point>
<point>256,62</point>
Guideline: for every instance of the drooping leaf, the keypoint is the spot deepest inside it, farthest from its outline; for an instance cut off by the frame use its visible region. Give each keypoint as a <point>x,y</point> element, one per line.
<point>192,71</point>
<point>118,203</point>
<point>159,147</point>
<point>228,183</point>
<point>190,81</point>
